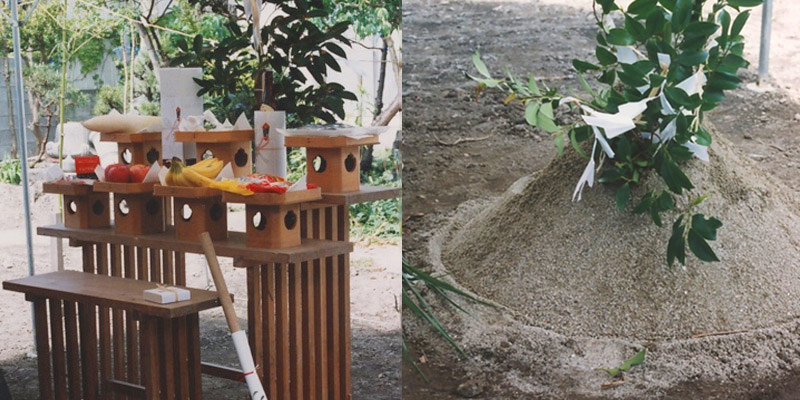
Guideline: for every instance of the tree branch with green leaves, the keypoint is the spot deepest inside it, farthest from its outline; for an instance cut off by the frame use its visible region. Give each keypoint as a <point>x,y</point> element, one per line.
<point>666,65</point>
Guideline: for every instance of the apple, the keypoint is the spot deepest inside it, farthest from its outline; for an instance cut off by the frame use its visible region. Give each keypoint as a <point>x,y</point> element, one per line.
<point>119,173</point>
<point>138,172</point>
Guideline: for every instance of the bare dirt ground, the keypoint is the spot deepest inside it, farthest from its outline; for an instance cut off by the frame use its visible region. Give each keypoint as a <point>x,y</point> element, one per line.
<point>542,37</point>
<point>375,276</point>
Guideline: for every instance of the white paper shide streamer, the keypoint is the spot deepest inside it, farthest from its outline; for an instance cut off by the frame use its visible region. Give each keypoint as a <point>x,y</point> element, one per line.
<point>248,366</point>
<point>270,153</point>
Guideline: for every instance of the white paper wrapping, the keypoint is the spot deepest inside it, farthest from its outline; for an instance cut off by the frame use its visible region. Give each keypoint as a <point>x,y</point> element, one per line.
<point>355,132</point>
<point>167,295</point>
<point>152,173</point>
<point>178,89</point>
<point>270,154</point>
<point>248,367</point>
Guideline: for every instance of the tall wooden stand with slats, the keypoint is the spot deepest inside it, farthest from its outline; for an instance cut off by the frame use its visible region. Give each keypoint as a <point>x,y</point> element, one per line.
<point>273,328</point>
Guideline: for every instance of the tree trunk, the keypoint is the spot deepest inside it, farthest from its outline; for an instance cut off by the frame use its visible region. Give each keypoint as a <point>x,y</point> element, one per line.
<point>43,145</point>
<point>396,105</point>
<point>366,152</point>
<point>12,125</point>
<point>35,115</point>
<point>148,47</point>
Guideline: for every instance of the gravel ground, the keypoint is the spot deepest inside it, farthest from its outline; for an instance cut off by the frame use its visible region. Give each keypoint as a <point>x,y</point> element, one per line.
<point>514,358</point>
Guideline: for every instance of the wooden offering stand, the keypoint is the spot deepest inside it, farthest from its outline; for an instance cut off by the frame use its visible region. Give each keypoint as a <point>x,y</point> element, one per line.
<point>83,208</point>
<point>196,210</point>
<point>234,147</point>
<point>136,148</point>
<point>166,365</point>
<point>332,162</point>
<point>272,219</point>
<point>290,314</point>
<point>136,210</point>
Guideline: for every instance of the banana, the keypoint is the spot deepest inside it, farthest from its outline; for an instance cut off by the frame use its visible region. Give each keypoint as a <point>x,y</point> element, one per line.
<point>209,167</point>
<point>175,175</point>
<point>194,178</point>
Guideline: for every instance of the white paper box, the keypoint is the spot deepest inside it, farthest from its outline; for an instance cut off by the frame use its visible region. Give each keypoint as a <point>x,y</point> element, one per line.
<point>170,294</point>
<point>270,153</point>
<point>178,89</point>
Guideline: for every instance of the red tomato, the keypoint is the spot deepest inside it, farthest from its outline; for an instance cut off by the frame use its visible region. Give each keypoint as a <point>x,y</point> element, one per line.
<point>138,173</point>
<point>119,173</point>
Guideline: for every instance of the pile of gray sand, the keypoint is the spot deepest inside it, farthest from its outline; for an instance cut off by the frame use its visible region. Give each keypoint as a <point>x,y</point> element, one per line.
<point>582,286</point>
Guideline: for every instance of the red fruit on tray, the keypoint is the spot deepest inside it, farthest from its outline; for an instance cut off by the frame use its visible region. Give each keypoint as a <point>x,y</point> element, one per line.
<point>138,172</point>
<point>119,173</point>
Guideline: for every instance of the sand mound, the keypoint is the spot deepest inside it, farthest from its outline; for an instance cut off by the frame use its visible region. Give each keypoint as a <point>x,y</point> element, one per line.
<point>587,269</point>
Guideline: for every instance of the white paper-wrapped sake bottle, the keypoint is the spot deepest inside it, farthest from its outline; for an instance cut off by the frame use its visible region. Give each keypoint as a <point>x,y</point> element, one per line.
<point>178,91</point>
<point>270,153</point>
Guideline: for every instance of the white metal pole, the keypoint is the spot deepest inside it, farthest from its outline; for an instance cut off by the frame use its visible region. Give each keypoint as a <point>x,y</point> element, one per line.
<point>23,144</point>
<point>766,32</point>
<point>20,102</point>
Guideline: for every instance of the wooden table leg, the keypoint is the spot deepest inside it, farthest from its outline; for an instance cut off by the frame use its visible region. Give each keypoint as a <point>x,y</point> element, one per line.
<point>270,329</point>
<point>308,336</point>
<point>295,331</point>
<point>343,214</point>
<point>254,325</point>
<point>43,349</point>
<point>282,324</point>
<point>193,340</point>
<point>150,357</point>
<point>57,339</point>
<point>321,327</point>
<point>182,359</point>
<point>73,350</point>
<point>165,334</point>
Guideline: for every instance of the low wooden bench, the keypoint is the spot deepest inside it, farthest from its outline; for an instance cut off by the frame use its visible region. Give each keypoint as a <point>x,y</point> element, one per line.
<point>167,364</point>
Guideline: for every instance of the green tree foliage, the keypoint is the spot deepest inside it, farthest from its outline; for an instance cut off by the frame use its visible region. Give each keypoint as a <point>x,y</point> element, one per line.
<point>296,52</point>
<point>367,17</point>
<point>668,63</point>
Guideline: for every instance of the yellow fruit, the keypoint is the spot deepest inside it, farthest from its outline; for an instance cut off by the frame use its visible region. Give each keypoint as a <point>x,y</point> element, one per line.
<point>231,186</point>
<point>176,174</point>
<point>196,179</point>
<point>209,167</point>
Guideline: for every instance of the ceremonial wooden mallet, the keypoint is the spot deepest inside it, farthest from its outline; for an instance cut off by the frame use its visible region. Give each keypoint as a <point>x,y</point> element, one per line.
<point>237,334</point>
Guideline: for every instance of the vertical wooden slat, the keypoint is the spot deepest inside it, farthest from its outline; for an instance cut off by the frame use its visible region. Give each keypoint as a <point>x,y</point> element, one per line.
<point>73,350</point>
<point>333,317</point>
<point>87,315</point>
<point>150,357</point>
<point>296,330</point>
<point>254,302</point>
<point>180,268</point>
<point>117,320</point>
<point>131,330</point>
<point>142,271</point>
<point>57,339</point>
<point>270,329</point>
<point>304,224</point>
<point>168,266</point>
<point>104,323</point>
<point>343,225</point>
<point>181,359</point>
<point>308,336</point>
<point>166,338</point>
<point>282,324</point>
<point>195,380</point>
<point>321,328</point>
<point>43,349</point>
<point>155,266</point>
